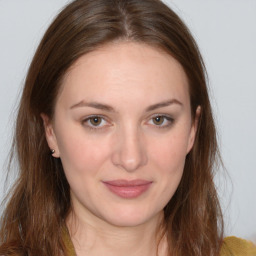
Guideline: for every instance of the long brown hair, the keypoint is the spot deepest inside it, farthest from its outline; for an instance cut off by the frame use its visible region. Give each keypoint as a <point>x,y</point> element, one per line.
<point>33,221</point>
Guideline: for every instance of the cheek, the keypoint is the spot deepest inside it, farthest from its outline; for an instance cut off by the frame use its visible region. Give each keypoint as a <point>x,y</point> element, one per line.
<point>168,158</point>
<point>170,152</point>
<point>81,154</point>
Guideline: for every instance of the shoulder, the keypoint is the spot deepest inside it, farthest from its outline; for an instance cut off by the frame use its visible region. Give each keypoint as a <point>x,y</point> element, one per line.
<point>233,246</point>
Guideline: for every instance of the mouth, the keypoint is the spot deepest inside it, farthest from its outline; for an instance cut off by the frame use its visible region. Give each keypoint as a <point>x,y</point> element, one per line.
<point>128,189</point>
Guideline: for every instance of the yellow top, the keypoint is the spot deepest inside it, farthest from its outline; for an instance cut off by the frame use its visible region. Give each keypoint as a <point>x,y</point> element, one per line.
<point>232,246</point>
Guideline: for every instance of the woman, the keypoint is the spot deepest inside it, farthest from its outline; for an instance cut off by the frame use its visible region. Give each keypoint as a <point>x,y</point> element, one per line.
<point>115,140</point>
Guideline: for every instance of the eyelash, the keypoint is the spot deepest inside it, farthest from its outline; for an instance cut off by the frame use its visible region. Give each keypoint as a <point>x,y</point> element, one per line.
<point>167,119</point>
<point>86,121</point>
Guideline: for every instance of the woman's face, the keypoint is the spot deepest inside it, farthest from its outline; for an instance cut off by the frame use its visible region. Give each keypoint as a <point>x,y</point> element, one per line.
<point>122,128</point>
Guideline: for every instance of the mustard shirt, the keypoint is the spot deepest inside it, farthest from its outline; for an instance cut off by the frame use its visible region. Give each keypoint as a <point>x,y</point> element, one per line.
<point>232,246</point>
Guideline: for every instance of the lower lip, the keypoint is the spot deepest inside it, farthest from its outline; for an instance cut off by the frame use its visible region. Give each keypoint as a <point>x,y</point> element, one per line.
<point>128,191</point>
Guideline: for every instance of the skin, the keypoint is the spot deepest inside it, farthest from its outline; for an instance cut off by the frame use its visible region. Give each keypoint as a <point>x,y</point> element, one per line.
<point>145,133</point>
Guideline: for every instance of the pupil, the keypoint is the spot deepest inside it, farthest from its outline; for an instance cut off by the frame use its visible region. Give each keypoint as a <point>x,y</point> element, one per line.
<point>95,120</point>
<point>158,120</point>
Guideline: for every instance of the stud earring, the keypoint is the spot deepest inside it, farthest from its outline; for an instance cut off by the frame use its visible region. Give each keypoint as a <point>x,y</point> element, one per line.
<point>52,151</point>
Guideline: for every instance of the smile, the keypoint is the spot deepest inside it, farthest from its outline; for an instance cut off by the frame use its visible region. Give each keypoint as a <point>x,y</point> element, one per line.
<point>128,189</point>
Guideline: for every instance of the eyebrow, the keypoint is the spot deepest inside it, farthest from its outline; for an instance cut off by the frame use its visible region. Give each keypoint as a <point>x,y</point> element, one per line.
<point>163,104</point>
<point>108,108</point>
<point>93,105</point>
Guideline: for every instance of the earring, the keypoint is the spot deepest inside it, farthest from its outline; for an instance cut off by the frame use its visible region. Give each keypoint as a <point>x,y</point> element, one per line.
<point>52,151</point>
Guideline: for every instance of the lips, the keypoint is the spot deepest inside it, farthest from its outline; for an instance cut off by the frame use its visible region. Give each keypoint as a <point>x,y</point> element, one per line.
<point>128,189</point>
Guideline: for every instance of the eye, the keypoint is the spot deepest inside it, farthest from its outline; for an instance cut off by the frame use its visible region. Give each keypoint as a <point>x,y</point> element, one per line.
<point>158,120</point>
<point>161,121</point>
<point>95,122</point>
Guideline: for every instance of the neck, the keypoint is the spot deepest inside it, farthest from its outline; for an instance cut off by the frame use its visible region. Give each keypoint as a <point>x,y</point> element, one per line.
<point>101,238</point>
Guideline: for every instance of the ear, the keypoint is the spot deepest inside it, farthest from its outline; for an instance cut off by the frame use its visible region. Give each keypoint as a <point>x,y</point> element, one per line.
<point>194,129</point>
<point>50,135</point>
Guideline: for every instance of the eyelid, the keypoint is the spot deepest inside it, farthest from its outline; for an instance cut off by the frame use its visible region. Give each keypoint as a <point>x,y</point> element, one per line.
<point>167,117</point>
<point>92,127</point>
<point>169,120</point>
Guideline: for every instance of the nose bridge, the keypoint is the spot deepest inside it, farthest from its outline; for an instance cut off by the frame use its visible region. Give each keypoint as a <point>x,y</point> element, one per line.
<point>130,151</point>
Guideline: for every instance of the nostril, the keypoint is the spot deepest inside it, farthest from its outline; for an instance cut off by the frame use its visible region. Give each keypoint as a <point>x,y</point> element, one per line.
<point>130,155</point>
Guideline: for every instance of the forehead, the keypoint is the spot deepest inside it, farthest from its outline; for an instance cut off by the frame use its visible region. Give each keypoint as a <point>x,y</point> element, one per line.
<point>123,70</point>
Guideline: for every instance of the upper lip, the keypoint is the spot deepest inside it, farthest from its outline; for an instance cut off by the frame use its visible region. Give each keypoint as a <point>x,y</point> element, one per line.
<point>127,183</point>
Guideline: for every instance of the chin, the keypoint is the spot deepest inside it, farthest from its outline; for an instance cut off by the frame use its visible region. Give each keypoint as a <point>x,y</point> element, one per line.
<point>127,222</point>
<point>130,218</point>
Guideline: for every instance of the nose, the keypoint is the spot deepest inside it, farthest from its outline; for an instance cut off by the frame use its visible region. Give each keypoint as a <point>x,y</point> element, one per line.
<point>129,151</point>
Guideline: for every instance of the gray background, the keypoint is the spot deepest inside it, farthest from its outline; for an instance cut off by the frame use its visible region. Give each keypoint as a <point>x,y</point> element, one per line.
<point>226,33</point>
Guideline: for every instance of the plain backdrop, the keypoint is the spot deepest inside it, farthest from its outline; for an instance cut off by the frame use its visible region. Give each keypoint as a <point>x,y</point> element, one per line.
<point>226,33</point>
